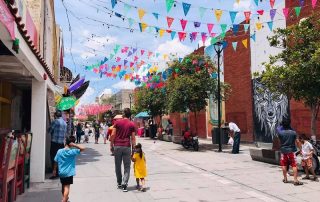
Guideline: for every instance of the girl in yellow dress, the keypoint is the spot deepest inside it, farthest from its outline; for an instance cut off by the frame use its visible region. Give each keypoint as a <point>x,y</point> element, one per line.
<point>140,168</point>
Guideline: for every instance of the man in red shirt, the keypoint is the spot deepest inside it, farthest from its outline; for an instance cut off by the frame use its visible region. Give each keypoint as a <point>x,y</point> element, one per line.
<point>122,139</point>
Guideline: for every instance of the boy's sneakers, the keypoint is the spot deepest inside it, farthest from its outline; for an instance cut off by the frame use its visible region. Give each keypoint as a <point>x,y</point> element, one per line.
<point>124,188</point>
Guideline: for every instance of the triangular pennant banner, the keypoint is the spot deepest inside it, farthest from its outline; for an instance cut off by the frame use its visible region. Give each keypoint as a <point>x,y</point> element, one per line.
<point>259,25</point>
<point>285,12</point>
<point>129,54</point>
<point>301,3</point>
<point>113,3</point>
<point>270,25</point>
<point>297,10</point>
<point>141,13</point>
<point>233,15</point>
<point>173,34</point>
<point>182,36</point>
<point>218,14</point>
<point>257,2</point>
<point>273,13</point>
<point>131,21</point>
<point>169,21</point>
<point>313,2</point>
<point>156,15</point>
<point>125,62</point>
<point>183,23</point>
<point>197,24</point>
<point>272,3</point>
<point>260,12</point>
<point>247,15</point>
<point>224,44</point>
<point>134,50</point>
<point>193,36</point>
<point>210,26</point>
<point>161,32</point>
<point>111,56</point>
<point>246,27</point>
<point>234,45</point>
<point>186,8</point>
<point>204,37</point>
<point>245,43</point>
<point>142,52</point>
<point>235,28</point>
<point>116,48</point>
<point>253,37</point>
<point>142,26</point>
<point>202,11</point>
<point>169,4</point>
<point>127,8</point>
<point>223,27</point>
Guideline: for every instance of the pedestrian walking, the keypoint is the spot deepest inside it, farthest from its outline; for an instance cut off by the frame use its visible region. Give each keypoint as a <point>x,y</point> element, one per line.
<point>86,134</point>
<point>170,127</point>
<point>140,167</point>
<point>235,130</point>
<point>306,153</point>
<point>96,127</point>
<point>122,138</point>
<point>66,163</point>
<point>58,130</point>
<point>105,133</point>
<point>288,140</point>
<point>79,132</point>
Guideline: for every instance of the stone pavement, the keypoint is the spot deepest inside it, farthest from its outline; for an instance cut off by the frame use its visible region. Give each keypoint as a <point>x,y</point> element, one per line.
<point>176,174</point>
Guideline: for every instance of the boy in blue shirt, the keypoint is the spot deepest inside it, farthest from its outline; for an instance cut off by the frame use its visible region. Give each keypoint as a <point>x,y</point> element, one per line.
<point>65,159</point>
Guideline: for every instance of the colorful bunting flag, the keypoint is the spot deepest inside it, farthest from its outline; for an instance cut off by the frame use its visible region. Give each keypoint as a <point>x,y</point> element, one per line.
<point>129,54</point>
<point>301,3</point>
<point>234,45</point>
<point>131,22</point>
<point>111,56</point>
<point>223,27</point>
<point>113,3</point>
<point>173,34</point>
<point>257,2</point>
<point>253,37</point>
<point>272,3</point>
<point>197,24</point>
<point>169,4</point>
<point>116,48</point>
<point>118,59</point>
<point>142,52</point>
<point>202,11</point>
<point>233,15</point>
<point>134,50</point>
<point>156,15</point>
<point>270,25</point>
<point>224,44</point>
<point>125,62</point>
<point>193,36</point>
<point>245,43</point>
<point>127,8</point>
<point>260,12</point>
<point>218,14</point>
<point>183,23</point>
<point>161,32</point>
<point>142,26</point>
<point>259,25</point>
<point>247,15</point>
<point>186,8</point>
<point>170,21</point>
<point>297,10</point>
<point>273,13</point>
<point>210,26</point>
<point>313,3</point>
<point>141,13</point>
<point>235,28</point>
<point>204,37</point>
<point>182,36</point>
<point>285,12</point>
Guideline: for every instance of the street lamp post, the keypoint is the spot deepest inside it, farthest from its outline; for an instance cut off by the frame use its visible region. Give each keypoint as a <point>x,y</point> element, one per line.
<point>130,97</point>
<point>218,47</point>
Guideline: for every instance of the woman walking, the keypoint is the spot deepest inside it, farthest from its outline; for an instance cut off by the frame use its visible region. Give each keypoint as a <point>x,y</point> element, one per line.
<point>79,132</point>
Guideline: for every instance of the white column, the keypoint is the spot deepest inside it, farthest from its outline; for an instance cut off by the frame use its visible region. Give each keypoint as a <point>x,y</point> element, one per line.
<point>38,128</point>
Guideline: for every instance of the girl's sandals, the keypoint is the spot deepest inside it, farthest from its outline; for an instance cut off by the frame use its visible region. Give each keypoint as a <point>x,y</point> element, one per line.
<point>315,179</point>
<point>306,178</point>
<point>285,181</point>
<point>297,183</point>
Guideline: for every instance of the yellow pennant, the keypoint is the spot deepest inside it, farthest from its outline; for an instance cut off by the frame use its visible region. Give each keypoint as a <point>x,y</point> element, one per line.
<point>259,25</point>
<point>161,32</point>
<point>143,26</point>
<point>141,13</point>
<point>238,1</point>
<point>165,56</point>
<point>218,14</point>
<point>245,43</point>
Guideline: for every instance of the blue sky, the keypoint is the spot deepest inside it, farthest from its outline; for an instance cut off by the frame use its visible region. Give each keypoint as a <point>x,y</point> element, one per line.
<point>92,40</point>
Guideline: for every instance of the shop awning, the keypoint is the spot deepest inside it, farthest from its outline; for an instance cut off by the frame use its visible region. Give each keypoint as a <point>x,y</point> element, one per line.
<point>142,115</point>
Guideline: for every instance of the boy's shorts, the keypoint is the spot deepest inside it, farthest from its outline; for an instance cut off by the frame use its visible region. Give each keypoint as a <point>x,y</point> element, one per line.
<point>307,163</point>
<point>288,158</point>
<point>66,180</point>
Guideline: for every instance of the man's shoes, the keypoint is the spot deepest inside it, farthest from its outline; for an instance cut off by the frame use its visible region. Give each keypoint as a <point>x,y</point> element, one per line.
<point>124,188</point>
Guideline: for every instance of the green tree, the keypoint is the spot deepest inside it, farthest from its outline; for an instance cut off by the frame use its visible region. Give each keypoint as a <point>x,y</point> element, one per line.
<point>189,84</point>
<point>295,71</point>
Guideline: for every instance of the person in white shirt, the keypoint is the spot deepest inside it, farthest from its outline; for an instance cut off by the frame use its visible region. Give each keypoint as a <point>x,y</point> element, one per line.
<point>86,134</point>
<point>236,136</point>
<point>306,153</point>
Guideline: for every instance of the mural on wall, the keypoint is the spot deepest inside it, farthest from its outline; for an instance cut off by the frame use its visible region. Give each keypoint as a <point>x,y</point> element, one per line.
<point>269,109</point>
<point>213,109</point>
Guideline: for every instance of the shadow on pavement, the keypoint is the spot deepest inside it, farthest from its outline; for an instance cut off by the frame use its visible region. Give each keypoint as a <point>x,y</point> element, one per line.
<point>89,155</point>
<point>204,147</point>
<point>42,192</point>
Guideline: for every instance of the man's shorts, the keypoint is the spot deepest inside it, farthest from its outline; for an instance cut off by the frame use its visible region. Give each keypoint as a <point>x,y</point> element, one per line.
<point>66,180</point>
<point>288,159</point>
<point>307,163</point>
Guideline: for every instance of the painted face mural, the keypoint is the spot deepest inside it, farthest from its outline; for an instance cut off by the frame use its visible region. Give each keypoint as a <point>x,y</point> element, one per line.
<point>269,110</point>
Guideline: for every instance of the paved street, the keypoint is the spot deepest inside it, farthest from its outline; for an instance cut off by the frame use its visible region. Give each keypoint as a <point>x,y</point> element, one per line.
<point>176,174</point>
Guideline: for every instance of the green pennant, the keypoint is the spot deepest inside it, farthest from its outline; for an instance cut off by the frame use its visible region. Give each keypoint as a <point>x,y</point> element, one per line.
<point>169,4</point>
<point>213,40</point>
<point>116,48</point>
<point>127,8</point>
<point>202,11</point>
<point>297,10</point>
<point>223,28</point>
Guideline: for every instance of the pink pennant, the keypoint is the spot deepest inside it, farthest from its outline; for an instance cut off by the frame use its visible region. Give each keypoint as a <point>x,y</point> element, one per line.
<point>285,12</point>
<point>313,2</point>
<point>247,15</point>
<point>182,36</point>
<point>101,67</point>
<point>142,62</point>
<point>118,59</point>
<point>260,12</point>
<point>131,64</point>
<point>272,3</point>
<point>124,50</point>
<point>204,37</point>
<point>194,36</point>
<point>136,58</point>
<point>106,67</point>
<point>183,23</point>
<point>150,54</point>
<point>169,21</point>
<point>210,26</point>
<point>96,70</point>
<point>213,34</point>
<point>142,52</point>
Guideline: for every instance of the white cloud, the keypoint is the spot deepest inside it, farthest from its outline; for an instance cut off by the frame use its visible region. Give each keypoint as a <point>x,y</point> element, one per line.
<point>174,47</point>
<point>106,91</point>
<point>124,85</point>
<point>243,5</point>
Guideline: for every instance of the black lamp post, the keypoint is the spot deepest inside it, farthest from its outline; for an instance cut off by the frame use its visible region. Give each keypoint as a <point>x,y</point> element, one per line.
<point>130,97</point>
<point>218,47</point>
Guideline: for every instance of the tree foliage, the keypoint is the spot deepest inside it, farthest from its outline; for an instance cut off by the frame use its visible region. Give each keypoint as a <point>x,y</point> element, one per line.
<point>296,70</point>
